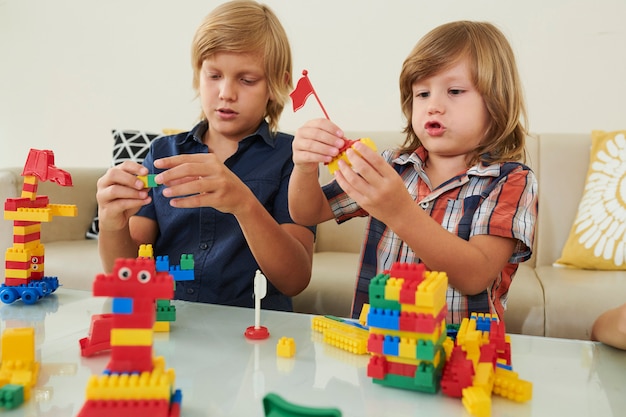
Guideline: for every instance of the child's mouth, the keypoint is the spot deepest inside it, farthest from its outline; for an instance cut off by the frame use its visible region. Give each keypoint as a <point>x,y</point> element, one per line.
<point>435,128</point>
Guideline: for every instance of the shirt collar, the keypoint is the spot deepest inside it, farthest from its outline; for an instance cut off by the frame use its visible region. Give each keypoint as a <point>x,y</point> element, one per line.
<point>420,155</point>
<point>197,133</point>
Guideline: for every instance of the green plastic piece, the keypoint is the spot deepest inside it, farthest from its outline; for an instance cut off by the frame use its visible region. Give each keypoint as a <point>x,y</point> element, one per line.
<point>276,406</point>
<point>11,396</point>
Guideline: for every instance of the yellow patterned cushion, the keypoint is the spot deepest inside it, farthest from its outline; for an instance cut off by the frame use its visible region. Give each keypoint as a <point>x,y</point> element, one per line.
<point>597,239</point>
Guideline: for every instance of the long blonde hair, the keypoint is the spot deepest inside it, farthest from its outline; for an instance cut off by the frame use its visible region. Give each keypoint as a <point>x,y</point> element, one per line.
<point>495,76</point>
<point>244,26</point>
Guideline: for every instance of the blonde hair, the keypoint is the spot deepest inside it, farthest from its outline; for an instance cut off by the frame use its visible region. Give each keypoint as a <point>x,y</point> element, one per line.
<point>494,74</point>
<point>244,26</point>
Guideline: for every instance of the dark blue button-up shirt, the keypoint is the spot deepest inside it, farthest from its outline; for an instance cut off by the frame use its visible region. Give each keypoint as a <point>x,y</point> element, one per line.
<point>224,265</point>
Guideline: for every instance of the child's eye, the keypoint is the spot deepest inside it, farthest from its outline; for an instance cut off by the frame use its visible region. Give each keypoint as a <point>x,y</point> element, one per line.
<point>211,75</point>
<point>455,91</point>
<point>248,81</point>
<point>422,94</point>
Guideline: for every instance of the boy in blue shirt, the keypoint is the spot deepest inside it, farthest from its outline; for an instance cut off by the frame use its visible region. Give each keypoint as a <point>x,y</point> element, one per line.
<point>222,193</point>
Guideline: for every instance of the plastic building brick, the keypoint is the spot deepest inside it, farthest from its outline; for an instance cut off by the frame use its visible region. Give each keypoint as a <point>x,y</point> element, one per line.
<point>286,347</point>
<point>130,408</point>
<point>457,374</point>
<point>276,406</point>
<point>409,271</point>
<point>148,180</point>
<point>343,334</point>
<point>40,164</point>
<point>122,305</point>
<point>17,366</point>
<point>153,385</point>
<point>363,316</point>
<point>333,165</point>
<point>99,338</point>
<point>11,396</point>
<point>508,385</point>
<point>24,262</point>
<point>146,251</point>
<point>477,402</point>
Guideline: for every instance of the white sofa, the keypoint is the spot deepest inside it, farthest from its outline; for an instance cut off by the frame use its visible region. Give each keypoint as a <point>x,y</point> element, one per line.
<point>543,300</point>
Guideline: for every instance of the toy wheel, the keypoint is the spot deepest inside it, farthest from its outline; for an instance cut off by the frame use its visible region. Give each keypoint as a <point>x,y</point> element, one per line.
<point>8,295</point>
<point>30,296</point>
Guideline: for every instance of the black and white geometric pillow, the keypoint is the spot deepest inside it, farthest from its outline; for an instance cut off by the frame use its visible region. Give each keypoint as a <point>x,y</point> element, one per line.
<point>130,145</point>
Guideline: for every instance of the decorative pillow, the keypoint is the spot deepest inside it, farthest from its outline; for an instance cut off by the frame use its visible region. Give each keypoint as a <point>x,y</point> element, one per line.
<point>129,145</point>
<point>597,239</point>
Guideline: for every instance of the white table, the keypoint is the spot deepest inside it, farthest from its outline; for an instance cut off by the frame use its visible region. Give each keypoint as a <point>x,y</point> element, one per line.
<point>221,373</point>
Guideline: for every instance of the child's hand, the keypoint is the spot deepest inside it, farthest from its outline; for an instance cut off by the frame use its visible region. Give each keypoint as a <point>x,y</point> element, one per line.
<point>318,141</point>
<point>201,180</point>
<point>120,194</point>
<point>372,183</point>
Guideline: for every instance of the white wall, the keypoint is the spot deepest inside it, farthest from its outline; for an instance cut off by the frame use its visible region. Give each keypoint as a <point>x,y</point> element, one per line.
<point>72,70</point>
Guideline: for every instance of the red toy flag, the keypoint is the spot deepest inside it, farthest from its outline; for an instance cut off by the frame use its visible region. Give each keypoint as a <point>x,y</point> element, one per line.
<point>302,92</point>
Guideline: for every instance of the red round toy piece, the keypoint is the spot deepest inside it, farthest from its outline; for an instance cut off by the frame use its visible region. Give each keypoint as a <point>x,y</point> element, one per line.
<point>253,333</point>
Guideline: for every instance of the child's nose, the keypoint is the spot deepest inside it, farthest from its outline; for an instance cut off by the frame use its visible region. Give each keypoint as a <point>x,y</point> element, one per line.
<point>227,90</point>
<point>435,105</point>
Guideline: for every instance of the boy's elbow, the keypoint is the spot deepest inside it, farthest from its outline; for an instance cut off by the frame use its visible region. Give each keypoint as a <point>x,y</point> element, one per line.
<point>298,286</point>
<point>301,218</point>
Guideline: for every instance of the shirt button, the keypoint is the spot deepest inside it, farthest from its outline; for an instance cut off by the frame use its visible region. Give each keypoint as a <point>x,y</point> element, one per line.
<point>203,246</point>
<point>424,205</point>
<point>190,291</point>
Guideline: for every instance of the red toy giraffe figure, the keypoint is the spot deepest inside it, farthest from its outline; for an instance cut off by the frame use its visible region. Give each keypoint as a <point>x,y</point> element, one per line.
<point>24,262</point>
<point>134,382</point>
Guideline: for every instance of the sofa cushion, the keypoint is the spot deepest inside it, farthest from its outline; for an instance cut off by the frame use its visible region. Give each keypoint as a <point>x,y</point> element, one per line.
<point>597,239</point>
<point>128,145</point>
<point>525,312</point>
<point>574,298</point>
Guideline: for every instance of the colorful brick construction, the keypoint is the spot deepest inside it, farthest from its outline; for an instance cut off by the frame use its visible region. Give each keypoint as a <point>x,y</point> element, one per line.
<point>24,261</point>
<point>407,327</point>
<point>134,382</point>
<point>411,348</point>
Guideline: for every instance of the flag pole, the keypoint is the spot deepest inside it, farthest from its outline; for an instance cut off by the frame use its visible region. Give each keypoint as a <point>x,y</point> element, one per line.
<point>305,74</point>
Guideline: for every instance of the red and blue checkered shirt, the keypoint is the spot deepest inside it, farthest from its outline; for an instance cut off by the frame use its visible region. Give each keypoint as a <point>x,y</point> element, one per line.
<point>508,210</point>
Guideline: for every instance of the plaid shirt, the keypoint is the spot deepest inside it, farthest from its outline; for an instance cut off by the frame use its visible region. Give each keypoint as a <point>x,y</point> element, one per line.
<point>510,210</point>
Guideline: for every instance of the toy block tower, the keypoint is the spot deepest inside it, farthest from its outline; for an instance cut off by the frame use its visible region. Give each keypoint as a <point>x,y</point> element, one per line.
<point>134,381</point>
<point>24,262</point>
<point>407,324</point>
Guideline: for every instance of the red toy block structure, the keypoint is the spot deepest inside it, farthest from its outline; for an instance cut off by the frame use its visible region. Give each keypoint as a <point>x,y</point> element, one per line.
<point>24,262</point>
<point>135,383</point>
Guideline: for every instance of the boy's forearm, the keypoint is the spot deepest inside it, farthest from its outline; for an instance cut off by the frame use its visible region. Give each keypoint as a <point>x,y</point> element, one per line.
<point>283,252</point>
<point>113,245</point>
<point>307,202</point>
